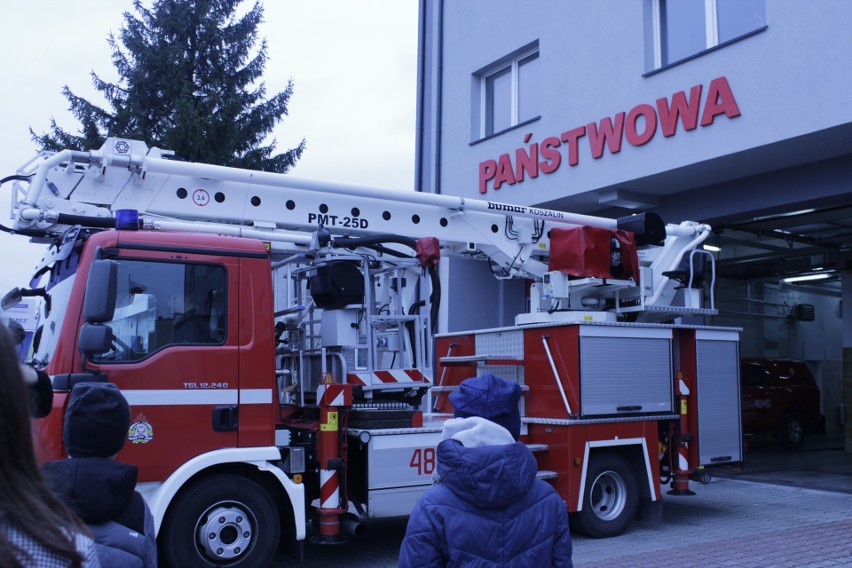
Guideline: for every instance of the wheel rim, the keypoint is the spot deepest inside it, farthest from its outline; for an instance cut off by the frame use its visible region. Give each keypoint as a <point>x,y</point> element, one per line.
<point>795,431</point>
<point>225,531</point>
<point>608,496</point>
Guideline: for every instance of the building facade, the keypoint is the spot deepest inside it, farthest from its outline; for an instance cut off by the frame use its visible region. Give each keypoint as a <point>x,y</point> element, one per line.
<point>731,112</point>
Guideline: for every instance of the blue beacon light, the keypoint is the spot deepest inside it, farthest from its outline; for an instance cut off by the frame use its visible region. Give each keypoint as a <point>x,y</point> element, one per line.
<point>127,219</point>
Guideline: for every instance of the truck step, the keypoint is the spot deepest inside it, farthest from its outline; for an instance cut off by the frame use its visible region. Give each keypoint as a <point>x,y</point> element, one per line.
<point>538,447</point>
<point>546,474</point>
<point>380,418</point>
<point>450,388</point>
<point>466,360</point>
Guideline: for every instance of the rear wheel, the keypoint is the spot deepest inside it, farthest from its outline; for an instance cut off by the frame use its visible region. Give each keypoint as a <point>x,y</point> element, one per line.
<point>610,498</point>
<point>792,432</point>
<point>224,520</point>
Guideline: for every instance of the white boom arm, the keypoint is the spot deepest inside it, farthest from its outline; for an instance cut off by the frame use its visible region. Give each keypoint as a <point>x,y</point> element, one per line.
<point>285,210</point>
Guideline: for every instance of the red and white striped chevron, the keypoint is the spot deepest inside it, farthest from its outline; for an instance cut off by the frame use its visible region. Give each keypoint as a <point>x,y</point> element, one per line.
<point>393,377</point>
<point>329,489</point>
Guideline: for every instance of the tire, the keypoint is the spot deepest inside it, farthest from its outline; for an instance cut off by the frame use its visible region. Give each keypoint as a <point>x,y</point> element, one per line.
<point>610,498</point>
<point>791,435</point>
<point>224,520</point>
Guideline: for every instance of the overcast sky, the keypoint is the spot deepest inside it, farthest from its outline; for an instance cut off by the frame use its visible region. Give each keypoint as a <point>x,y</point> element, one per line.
<point>353,64</point>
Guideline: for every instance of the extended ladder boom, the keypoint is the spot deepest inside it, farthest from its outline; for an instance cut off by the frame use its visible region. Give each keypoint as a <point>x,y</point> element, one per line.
<point>71,187</point>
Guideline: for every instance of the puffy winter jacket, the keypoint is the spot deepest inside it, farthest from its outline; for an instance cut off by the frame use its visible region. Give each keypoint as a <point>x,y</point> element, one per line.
<point>102,493</point>
<point>487,508</point>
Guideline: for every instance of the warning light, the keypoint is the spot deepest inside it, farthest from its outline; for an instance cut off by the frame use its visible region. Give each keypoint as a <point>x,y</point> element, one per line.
<point>297,478</point>
<point>328,379</point>
<point>127,219</point>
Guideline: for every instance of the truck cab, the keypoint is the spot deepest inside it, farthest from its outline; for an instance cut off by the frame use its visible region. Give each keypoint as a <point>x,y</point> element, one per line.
<point>176,340</point>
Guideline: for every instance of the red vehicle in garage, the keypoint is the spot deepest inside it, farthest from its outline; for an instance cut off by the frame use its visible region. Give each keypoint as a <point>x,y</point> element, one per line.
<point>780,397</point>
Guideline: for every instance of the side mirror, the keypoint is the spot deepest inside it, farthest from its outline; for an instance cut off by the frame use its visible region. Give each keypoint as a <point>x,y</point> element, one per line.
<point>15,295</point>
<point>11,298</point>
<point>101,287</point>
<point>94,339</point>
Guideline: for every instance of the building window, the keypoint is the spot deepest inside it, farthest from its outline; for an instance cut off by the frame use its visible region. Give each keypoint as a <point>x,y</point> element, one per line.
<point>687,27</point>
<point>508,93</point>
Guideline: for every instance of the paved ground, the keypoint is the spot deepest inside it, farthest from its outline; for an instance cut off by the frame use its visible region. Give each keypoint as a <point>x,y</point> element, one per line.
<point>821,463</point>
<point>769,515</point>
<point>732,523</point>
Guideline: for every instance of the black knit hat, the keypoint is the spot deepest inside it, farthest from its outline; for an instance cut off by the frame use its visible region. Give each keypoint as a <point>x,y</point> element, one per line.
<point>97,421</point>
<point>492,398</point>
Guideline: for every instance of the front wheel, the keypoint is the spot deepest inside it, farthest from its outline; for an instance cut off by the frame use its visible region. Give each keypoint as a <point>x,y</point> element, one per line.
<point>224,520</point>
<point>610,498</point>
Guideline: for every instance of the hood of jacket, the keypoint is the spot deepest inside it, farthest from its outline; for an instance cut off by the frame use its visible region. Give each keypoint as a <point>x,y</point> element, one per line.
<point>482,463</point>
<point>96,489</point>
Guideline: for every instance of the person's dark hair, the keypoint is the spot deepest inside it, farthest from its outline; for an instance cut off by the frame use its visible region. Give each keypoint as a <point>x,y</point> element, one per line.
<point>16,331</point>
<point>24,498</point>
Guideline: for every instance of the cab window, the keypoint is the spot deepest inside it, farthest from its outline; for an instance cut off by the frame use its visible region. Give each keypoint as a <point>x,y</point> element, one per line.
<point>164,303</point>
<point>754,376</point>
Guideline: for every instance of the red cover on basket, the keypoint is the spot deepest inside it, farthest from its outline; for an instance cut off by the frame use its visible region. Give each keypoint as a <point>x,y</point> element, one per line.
<point>593,251</point>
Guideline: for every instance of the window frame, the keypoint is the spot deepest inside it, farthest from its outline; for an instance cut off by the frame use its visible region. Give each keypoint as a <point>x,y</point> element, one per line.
<point>484,98</point>
<point>511,62</point>
<point>711,33</point>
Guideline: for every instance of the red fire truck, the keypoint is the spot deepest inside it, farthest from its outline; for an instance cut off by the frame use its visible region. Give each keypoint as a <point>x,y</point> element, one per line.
<point>275,338</point>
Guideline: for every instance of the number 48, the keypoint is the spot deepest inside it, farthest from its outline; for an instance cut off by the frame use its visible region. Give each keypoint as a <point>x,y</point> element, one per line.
<point>423,460</point>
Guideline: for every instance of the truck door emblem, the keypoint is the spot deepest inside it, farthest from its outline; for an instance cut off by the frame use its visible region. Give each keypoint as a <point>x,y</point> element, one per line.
<point>141,431</point>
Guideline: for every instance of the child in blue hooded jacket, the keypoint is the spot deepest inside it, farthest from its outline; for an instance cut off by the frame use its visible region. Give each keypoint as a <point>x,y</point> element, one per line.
<point>486,508</point>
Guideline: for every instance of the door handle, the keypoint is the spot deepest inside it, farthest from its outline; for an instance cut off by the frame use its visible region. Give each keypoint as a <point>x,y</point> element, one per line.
<point>225,419</point>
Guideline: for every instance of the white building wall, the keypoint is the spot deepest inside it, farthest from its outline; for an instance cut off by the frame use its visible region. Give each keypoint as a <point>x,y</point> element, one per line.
<point>789,81</point>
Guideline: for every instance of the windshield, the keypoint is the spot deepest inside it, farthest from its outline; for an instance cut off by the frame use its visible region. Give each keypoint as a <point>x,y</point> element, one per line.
<point>56,274</point>
<point>47,333</point>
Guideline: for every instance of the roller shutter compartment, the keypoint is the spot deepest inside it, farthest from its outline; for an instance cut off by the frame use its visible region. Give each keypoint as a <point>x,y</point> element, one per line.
<point>625,372</point>
<point>718,381</point>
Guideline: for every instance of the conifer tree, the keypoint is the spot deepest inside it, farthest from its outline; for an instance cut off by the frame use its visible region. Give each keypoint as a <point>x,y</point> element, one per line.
<point>190,80</point>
